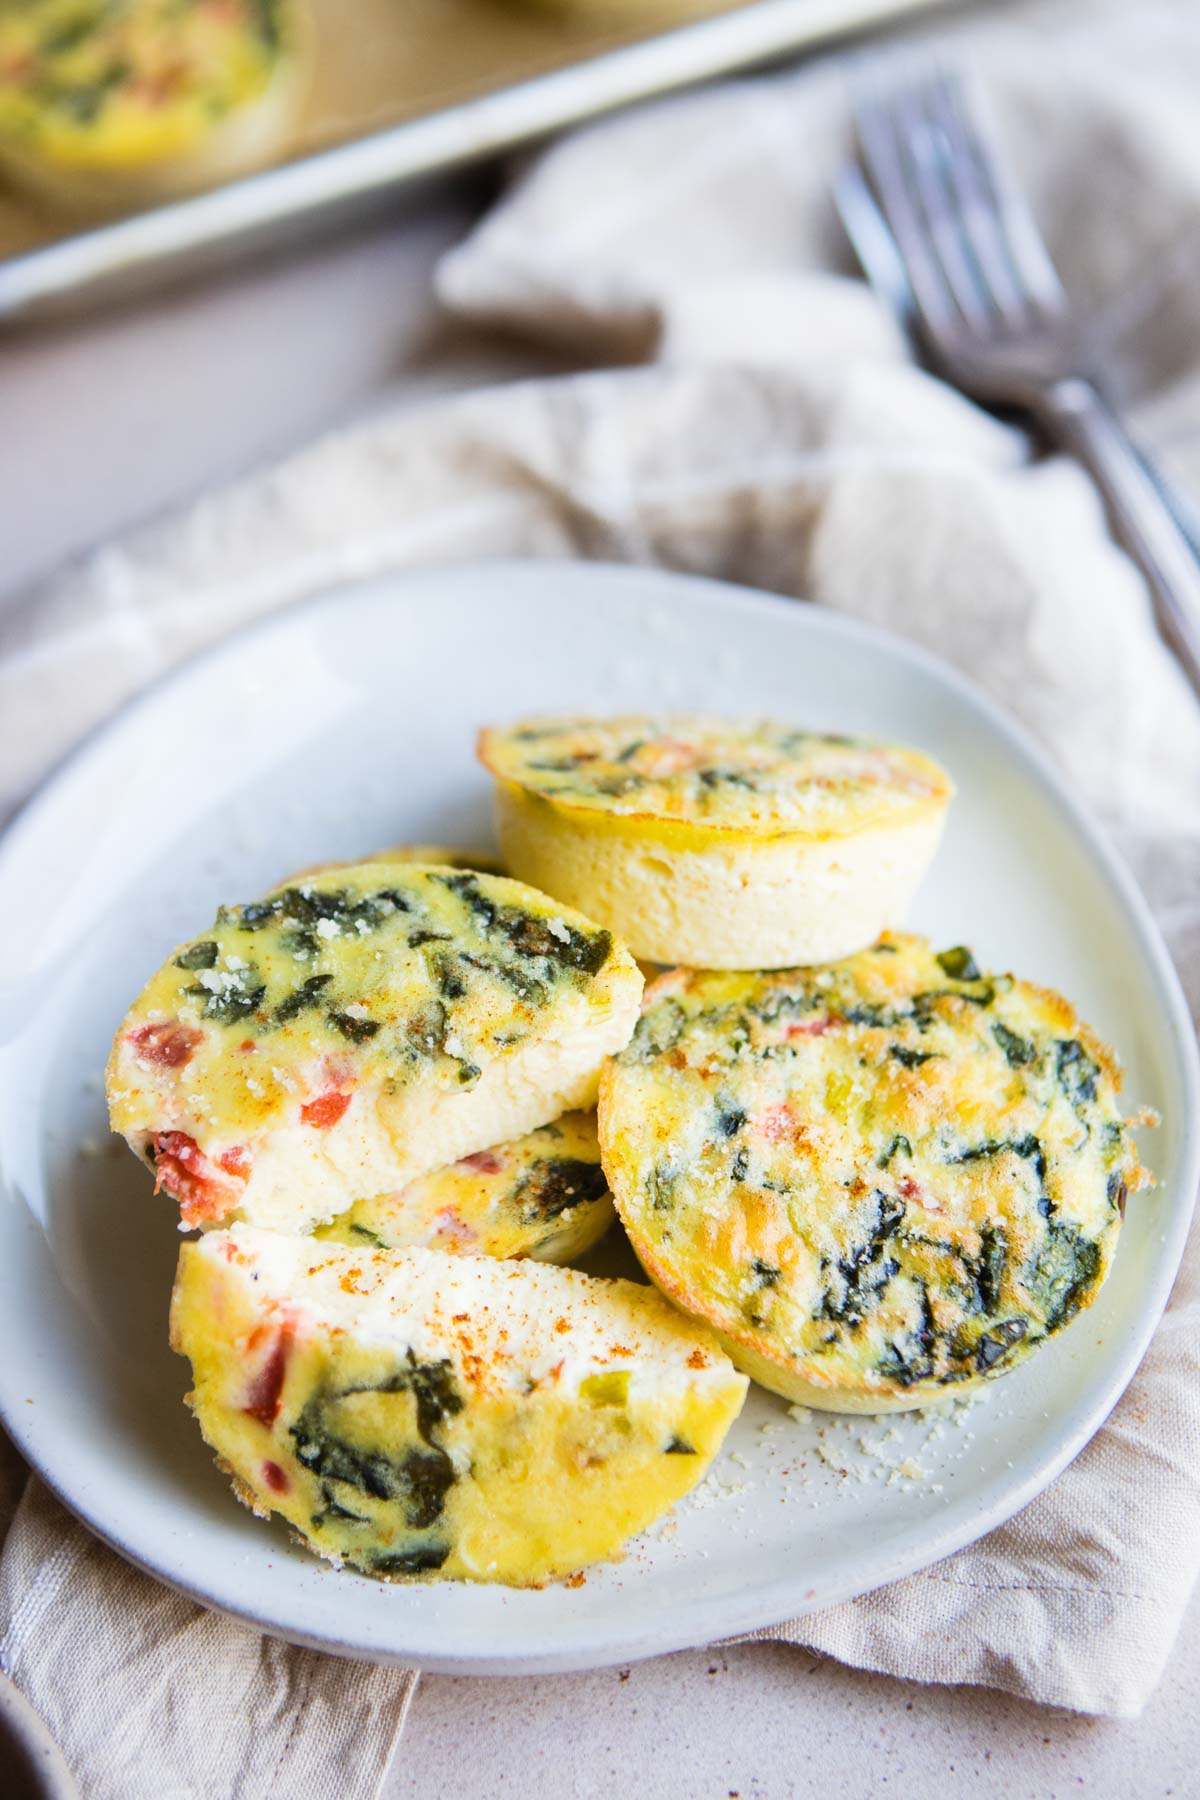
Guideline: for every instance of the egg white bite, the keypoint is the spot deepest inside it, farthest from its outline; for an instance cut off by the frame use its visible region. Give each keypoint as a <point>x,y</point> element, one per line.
<point>882,1181</point>
<point>350,1032</point>
<point>543,1195</point>
<point>109,107</point>
<point>714,844</point>
<point>412,1413</point>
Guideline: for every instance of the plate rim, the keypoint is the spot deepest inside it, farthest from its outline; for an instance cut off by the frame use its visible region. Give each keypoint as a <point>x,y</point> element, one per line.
<point>737,1616</point>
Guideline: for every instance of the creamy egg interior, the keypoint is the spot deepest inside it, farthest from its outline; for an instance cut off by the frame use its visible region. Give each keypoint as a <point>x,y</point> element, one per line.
<point>412,1413</point>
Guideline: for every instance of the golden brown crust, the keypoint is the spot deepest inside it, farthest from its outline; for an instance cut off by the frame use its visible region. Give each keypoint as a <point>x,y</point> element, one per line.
<point>885,1180</point>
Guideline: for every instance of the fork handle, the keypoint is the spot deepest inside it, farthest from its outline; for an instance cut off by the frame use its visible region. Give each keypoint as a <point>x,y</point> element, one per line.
<point>1141,515</point>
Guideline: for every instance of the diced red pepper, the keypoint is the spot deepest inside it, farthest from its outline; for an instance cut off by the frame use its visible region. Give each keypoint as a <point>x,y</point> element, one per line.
<point>265,1395</point>
<point>326,1109</point>
<point>484,1162</point>
<point>776,1122</point>
<point>275,1478</point>
<point>814,1027</point>
<point>167,1045</point>
<point>183,1170</point>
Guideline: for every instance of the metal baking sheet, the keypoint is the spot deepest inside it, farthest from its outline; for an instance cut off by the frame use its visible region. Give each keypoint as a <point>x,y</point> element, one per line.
<point>404,88</point>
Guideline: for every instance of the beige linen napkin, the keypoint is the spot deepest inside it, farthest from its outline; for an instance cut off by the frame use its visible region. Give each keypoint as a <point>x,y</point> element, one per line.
<point>782,440</point>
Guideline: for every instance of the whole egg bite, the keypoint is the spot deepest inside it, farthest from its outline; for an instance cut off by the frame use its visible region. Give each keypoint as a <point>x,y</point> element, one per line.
<point>106,106</point>
<point>715,844</point>
<point>544,1196</point>
<point>348,1033</point>
<point>411,1413</point>
<point>882,1181</point>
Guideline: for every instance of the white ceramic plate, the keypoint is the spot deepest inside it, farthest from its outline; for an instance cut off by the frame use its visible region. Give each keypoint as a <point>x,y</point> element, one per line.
<point>350,723</point>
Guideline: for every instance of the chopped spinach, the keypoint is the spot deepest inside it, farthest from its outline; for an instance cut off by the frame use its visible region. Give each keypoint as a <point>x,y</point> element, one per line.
<point>1062,1272</point>
<point>309,906</point>
<point>660,1187</point>
<point>992,1346</point>
<point>911,1059</point>
<point>306,995</point>
<point>66,35</point>
<point>716,778</point>
<point>432,1386</point>
<point>1077,1073</point>
<point>333,1509</point>
<point>357,1030</point>
<point>989,1269</point>
<point>554,1184</point>
<point>369,1237</point>
<point>902,1366</point>
<point>899,1142</point>
<point>865,1273</point>
<point>740,1166</point>
<point>959,964</point>
<point>1028,1147</point>
<point>514,975</point>
<point>530,937</point>
<point>1018,1051</point>
<point>679,1447</point>
<point>425,1033</point>
<point>300,942</point>
<point>656,1032</point>
<point>198,956</point>
<point>617,784</point>
<point>924,1005</point>
<point>411,1562</point>
<point>265,15</point>
<point>868,1014</point>
<point>240,995</point>
<point>449,978</point>
<point>730,1118</point>
<point>779,1003</point>
<point>418,1478</point>
<point>85,100</point>
<point>914,1360</point>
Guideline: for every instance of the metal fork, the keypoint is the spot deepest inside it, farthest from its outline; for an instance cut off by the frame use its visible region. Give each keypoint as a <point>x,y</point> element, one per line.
<point>992,315</point>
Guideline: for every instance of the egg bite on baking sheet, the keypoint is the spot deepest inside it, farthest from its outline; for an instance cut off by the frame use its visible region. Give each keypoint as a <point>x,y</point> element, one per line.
<point>543,1196</point>
<point>350,1032</point>
<point>107,107</point>
<point>412,1413</point>
<point>714,844</point>
<point>882,1181</point>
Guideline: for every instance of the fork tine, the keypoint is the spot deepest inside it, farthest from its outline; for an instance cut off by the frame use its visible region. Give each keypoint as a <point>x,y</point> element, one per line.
<point>999,224</point>
<point>926,153</point>
<point>880,149</point>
